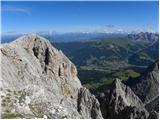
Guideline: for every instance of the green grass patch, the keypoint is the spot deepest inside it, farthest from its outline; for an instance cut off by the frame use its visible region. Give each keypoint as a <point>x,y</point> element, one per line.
<point>36,110</point>
<point>11,115</point>
<point>124,75</point>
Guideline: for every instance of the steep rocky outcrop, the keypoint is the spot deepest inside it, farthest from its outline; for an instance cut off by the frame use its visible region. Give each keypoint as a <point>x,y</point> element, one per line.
<point>121,102</point>
<point>38,81</point>
<point>153,108</point>
<point>146,87</point>
<point>153,105</point>
<point>88,104</point>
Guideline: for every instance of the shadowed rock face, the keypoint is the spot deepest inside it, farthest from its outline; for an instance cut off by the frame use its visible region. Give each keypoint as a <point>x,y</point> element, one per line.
<point>146,86</point>
<point>40,81</point>
<point>87,103</point>
<point>153,108</point>
<point>123,103</point>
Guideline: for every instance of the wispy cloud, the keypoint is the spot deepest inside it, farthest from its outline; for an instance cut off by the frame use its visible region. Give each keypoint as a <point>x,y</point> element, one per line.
<point>9,8</point>
<point>109,26</point>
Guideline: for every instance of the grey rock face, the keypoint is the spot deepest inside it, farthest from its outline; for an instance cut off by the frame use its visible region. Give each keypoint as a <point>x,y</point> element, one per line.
<point>121,92</point>
<point>39,81</point>
<point>121,102</point>
<point>103,99</point>
<point>132,112</point>
<point>153,108</point>
<point>146,87</point>
<point>122,97</point>
<point>88,105</point>
<point>153,105</point>
<point>153,115</point>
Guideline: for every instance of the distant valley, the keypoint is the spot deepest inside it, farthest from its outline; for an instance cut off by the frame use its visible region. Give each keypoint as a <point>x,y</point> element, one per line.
<point>99,61</point>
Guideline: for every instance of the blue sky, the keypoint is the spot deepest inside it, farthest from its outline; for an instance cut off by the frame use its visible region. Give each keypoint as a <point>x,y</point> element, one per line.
<point>27,17</point>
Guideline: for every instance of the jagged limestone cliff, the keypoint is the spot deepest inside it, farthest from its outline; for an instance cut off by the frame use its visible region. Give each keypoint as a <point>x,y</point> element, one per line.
<point>146,87</point>
<point>121,102</point>
<point>38,81</point>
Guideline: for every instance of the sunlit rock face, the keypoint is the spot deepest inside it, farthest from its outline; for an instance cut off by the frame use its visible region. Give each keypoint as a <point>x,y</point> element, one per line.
<point>38,81</point>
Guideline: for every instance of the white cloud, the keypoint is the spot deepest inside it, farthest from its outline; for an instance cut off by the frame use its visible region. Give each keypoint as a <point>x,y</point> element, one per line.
<point>9,8</point>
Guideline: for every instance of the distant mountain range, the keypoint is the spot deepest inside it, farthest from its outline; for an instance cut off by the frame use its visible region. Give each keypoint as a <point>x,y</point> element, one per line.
<point>76,36</point>
<point>144,36</point>
<point>67,37</point>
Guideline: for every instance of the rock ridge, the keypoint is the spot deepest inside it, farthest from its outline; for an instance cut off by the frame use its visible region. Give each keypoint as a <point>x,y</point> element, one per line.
<point>38,81</point>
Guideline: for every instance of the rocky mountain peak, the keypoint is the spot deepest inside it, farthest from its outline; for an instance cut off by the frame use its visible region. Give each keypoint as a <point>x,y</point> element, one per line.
<point>41,82</point>
<point>121,102</point>
<point>146,86</point>
<point>123,93</point>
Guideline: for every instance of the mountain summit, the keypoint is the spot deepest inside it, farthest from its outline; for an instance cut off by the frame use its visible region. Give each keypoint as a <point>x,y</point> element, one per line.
<point>38,81</point>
